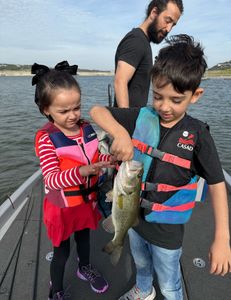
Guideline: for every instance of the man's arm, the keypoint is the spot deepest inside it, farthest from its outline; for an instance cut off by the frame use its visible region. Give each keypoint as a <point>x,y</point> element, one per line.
<point>220,254</point>
<point>123,75</point>
<point>122,147</point>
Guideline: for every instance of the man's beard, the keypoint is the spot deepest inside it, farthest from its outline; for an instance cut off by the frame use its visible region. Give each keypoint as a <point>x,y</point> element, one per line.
<point>153,32</point>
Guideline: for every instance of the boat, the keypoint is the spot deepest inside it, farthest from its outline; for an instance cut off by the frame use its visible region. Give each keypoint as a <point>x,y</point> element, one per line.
<point>25,253</point>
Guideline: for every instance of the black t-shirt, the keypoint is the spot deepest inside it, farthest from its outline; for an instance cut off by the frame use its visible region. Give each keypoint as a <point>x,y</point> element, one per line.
<point>135,50</point>
<point>205,163</point>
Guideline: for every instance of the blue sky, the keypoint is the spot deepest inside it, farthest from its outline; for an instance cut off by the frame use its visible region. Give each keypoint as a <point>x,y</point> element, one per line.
<point>86,32</point>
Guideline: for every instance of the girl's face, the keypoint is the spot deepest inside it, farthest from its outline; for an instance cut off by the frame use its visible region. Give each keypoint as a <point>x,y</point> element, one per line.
<point>65,110</point>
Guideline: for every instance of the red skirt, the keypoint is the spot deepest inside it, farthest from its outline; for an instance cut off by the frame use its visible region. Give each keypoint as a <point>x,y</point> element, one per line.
<point>62,222</point>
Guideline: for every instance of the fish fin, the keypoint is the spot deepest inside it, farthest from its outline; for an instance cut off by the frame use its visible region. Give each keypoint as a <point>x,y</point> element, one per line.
<point>136,222</point>
<point>114,251</point>
<point>115,256</point>
<point>109,196</point>
<point>108,225</point>
<point>108,248</point>
<point>120,201</point>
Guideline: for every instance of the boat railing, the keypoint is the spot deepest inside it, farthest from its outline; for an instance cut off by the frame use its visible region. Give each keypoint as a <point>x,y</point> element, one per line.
<point>227,179</point>
<point>11,207</point>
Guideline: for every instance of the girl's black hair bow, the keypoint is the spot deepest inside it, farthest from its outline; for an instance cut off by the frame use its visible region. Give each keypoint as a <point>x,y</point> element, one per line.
<point>40,70</point>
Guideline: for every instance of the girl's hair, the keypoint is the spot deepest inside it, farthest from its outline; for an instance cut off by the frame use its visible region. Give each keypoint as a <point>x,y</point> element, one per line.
<point>49,84</point>
<point>162,4</point>
<point>181,63</point>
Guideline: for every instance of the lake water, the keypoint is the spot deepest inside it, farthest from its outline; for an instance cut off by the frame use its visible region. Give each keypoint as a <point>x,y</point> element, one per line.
<point>20,118</point>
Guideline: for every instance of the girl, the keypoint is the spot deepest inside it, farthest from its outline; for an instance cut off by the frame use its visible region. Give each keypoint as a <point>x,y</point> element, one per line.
<point>67,147</point>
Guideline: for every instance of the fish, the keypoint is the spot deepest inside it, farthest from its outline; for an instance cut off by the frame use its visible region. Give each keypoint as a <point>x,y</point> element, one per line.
<point>125,206</point>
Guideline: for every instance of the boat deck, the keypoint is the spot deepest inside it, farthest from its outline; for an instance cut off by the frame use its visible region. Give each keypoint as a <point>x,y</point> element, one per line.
<point>24,269</point>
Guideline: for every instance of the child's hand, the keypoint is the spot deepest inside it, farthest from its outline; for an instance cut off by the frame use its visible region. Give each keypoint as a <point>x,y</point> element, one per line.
<point>122,148</point>
<point>93,169</point>
<point>220,258</point>
<point>113,162</point>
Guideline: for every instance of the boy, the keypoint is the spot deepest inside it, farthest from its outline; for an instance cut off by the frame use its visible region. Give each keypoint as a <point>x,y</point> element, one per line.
<point>184,149</point>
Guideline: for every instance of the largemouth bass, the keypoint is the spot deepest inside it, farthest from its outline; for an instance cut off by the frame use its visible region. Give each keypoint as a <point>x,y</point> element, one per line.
<point>125,205</point>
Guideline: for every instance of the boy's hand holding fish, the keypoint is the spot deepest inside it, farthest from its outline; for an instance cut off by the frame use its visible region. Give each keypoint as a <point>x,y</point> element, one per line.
<point>122,147</point>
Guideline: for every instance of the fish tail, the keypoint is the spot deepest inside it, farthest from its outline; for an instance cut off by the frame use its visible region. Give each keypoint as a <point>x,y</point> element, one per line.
<point>109,247</point>
<point>114,251</point>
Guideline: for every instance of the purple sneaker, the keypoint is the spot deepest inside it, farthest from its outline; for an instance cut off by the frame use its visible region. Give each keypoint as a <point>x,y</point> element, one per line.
<point>96,280</point>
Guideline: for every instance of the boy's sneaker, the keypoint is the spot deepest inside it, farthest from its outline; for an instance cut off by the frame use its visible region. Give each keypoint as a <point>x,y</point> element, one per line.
<point>96,280</point>
<point>135,294</point>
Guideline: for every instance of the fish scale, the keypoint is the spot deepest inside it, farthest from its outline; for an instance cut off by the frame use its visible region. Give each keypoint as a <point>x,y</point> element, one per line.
<point>125,206</point>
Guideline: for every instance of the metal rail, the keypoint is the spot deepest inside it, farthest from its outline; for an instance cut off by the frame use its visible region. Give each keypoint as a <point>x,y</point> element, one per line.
<point>12,206</point>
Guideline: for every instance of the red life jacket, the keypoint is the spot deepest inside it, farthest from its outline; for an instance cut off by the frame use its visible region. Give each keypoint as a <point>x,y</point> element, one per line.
<point>71,154</point>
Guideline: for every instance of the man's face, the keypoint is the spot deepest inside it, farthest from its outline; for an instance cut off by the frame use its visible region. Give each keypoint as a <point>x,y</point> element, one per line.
<point>163,23</point>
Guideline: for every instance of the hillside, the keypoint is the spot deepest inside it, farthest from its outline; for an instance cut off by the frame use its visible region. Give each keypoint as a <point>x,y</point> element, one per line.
<point>24,70</point>
<point>221,66</point>
<point>222,70</point>
<point>219,70</point>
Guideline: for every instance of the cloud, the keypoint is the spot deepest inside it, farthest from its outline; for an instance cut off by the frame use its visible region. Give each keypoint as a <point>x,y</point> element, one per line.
<point>90,30</point>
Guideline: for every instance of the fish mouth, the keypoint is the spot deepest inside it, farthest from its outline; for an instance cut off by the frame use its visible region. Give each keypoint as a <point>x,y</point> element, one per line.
<point>134,165</point>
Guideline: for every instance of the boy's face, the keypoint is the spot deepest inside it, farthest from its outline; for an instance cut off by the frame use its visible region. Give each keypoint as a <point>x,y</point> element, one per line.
<point>171,105</point>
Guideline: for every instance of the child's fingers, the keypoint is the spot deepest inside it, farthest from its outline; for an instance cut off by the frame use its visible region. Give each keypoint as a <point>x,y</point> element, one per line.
<point>225,269</point>
<point>122,154</point>
<point>101,164</point>
<point>221,268</point>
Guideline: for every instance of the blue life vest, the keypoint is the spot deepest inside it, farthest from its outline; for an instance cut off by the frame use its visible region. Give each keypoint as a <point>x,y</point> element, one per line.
<point>178,208</point>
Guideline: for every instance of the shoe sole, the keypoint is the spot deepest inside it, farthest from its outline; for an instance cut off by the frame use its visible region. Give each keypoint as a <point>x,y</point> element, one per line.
<point>80,276</point>
<point>152,296</point>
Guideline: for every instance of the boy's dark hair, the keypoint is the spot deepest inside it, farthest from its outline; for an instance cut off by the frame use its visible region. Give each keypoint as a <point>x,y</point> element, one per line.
<point>162,4</point>
<point>181,63</point>
<point>48,85</point>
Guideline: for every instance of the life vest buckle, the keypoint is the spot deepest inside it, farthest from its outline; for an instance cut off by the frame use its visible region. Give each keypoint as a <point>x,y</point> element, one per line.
<point>153,152</point>
<point>149,186</point>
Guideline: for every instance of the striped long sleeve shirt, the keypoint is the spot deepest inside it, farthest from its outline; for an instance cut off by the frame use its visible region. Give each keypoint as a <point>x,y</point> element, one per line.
<point>54,178</point>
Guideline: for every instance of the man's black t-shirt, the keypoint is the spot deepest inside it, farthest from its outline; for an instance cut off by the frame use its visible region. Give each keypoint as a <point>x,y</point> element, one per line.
<point>135,50</point>
<point>205,164</point>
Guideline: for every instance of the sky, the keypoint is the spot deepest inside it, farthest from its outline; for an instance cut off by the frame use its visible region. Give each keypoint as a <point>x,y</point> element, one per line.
<point>87,32</point>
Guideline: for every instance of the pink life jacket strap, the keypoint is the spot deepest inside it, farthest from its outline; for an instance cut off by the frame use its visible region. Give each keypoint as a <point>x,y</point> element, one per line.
<point>163,156</point>
<point>161,207</point>
<point>162,187</point>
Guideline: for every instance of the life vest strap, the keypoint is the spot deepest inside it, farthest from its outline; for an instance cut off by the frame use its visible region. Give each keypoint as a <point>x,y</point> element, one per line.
<point>161,207</point>
<point>162,187</point>
<point>82,192</point>
<point>176,160</point>
<point>163,156</point>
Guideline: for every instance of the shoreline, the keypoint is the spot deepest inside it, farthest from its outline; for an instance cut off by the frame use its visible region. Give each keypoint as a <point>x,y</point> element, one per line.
<point>80,73</point>
<point>216,77</point>
<point>12,73</point>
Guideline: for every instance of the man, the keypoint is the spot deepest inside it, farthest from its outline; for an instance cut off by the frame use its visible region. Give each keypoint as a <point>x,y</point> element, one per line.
<point>133,59</point>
